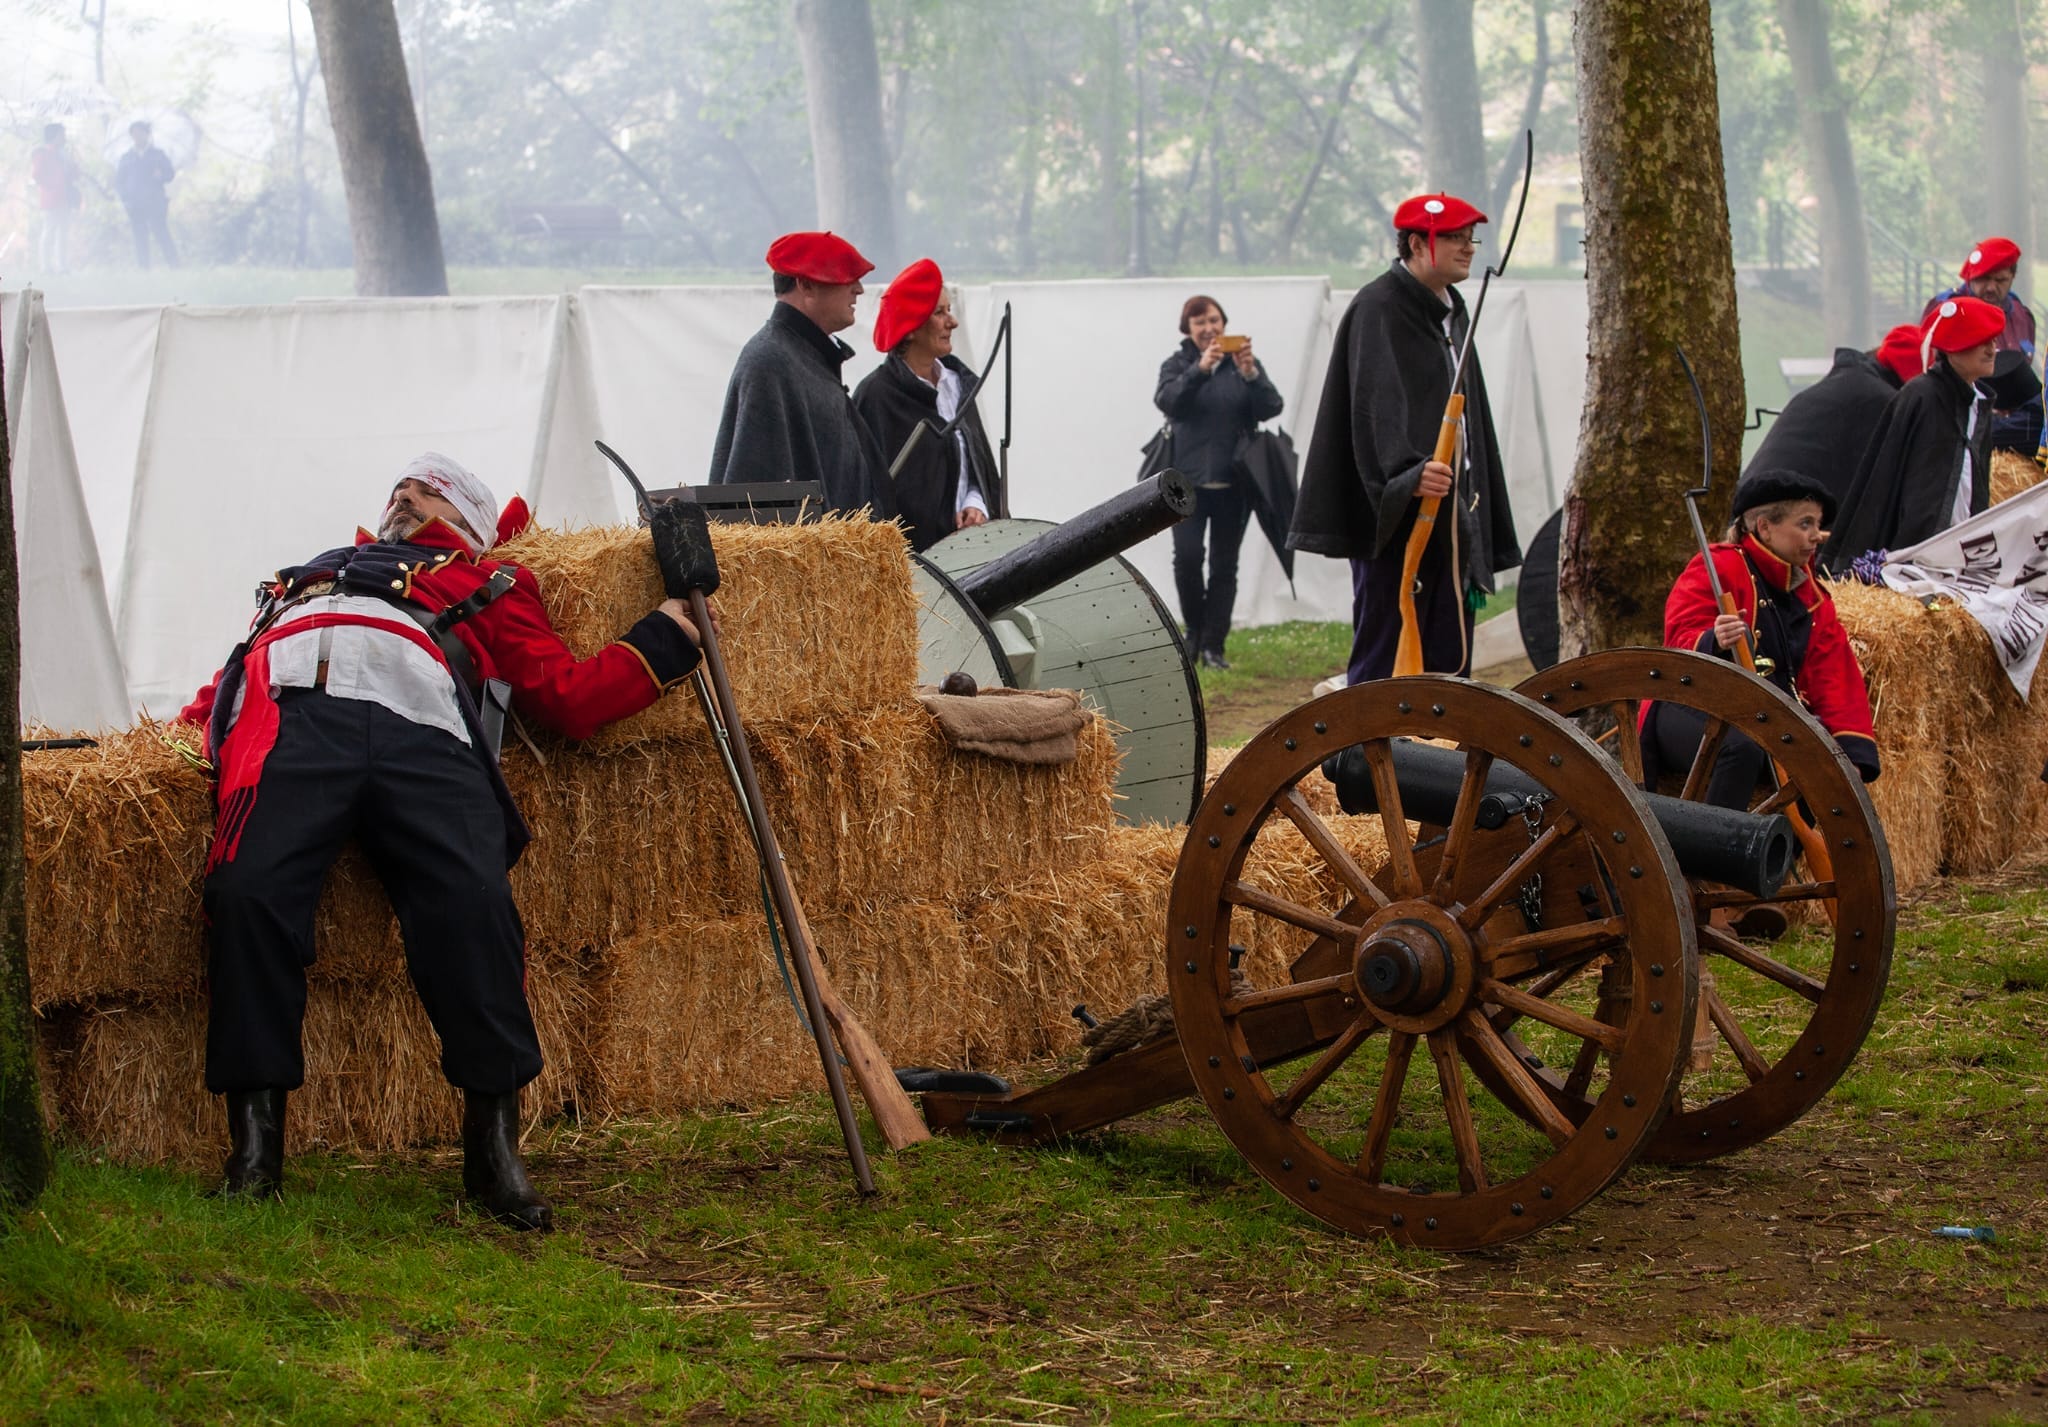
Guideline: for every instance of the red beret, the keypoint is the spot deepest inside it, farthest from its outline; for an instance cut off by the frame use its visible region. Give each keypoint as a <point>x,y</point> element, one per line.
<point>912,296</point>
<point>1435,213</point>
<point>1961,323</point>
<point>821,257</point>
<point>1900,350</point>
<point>1989,256</point>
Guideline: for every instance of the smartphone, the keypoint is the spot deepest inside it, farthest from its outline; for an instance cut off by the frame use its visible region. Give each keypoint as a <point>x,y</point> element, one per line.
<point>1232,342</point>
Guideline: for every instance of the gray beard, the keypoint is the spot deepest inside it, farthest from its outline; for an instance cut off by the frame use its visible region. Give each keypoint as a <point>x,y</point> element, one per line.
<point>397,525</point>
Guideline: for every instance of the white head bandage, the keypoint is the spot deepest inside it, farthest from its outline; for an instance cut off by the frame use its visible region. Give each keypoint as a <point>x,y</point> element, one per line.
<point>454,483</point>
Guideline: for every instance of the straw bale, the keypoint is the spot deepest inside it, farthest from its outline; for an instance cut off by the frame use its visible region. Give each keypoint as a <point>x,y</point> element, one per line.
<point>129,1078</point>
<point>2011,473</point>
<point>814,620</point>
<point>114,839</point>
<point>1908,653</point>
<point>696,1015</point>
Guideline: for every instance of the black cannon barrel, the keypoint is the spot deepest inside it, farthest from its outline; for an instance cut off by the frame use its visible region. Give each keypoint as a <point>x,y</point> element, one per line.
<point>1081,543</point>
<point>1717,844</point>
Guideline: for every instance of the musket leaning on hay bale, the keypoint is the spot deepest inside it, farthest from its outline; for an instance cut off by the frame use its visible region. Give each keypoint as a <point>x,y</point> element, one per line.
<point>682,534</point>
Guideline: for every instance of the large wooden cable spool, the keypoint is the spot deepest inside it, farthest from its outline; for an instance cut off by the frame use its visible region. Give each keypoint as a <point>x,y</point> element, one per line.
<point>1103,631</point>
<point>1788,1016</point>
<point>1404,971</point>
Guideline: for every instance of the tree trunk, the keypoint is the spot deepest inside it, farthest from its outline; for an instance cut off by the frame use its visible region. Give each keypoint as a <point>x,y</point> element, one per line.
<point>2006,150</point>
<point>849,150</point>
<point>1453,139</point>
<point>1510,172</point>
<point>1831,167</point>
<point>1659,272</point>
<point>383,163</point>
<point>24,1152</point>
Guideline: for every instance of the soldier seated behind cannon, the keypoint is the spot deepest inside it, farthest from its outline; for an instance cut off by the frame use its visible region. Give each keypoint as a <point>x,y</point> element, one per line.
<point>357,707</point>
<point>1789,621</point>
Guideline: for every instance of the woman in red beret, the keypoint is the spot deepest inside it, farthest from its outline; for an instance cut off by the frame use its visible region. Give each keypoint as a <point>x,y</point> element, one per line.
<point>947,482</point>
<point>1927,465</point>
<point>1214,393</point>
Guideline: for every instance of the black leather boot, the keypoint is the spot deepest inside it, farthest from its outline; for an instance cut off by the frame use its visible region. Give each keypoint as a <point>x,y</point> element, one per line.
<point>493,1175</point>
<point>255,1164</point>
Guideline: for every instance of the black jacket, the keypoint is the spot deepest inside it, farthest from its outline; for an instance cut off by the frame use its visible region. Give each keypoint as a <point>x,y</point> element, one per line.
<point>892,399</point>
<point>1382,406</point>
<point>787,417</point>
<point>1905,487</point>
<point>1822,431</point>
<point>1212,412</point>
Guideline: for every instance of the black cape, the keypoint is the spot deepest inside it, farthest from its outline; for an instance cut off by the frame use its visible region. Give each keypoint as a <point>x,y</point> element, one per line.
<point>1382,406</point>
<point>787,417</point>
<point>1822,431</point>
<point>892,399</point>
<point>1906,484</point>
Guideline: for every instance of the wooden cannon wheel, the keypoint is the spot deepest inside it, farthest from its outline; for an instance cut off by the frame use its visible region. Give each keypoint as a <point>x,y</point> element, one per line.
<point>1430,949</point>
<point>1788,1020</point>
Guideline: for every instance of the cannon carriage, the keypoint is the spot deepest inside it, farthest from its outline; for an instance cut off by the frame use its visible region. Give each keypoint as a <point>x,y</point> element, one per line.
<point>1539,982</point>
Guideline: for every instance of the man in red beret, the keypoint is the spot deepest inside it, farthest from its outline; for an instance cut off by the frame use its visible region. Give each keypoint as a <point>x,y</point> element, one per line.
<point>941,485</point>
<point>1372,457</point>
<point>1927,465</point>
<point>1987,275</point>
<point>1822,430</point>
<point>787,414</point>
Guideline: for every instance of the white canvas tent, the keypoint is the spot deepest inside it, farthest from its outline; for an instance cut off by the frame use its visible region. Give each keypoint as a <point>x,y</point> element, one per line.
<point>215,444</point>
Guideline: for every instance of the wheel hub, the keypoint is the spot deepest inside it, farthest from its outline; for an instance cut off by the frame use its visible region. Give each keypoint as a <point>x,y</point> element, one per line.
<point>1404,967</point>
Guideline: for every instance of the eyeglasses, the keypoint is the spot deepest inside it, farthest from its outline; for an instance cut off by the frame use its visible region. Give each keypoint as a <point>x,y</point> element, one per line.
<point>1464,238</point>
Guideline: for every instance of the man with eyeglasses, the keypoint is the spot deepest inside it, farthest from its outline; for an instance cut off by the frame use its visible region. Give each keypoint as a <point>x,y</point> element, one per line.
<point>1372,459</point>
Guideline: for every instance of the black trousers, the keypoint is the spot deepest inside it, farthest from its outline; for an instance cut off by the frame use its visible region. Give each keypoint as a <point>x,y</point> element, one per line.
<point>423,810</point>
<point>1445,619</point>
<point>1672,741</point>
<point>1223,513</point>
<point>152,220</point>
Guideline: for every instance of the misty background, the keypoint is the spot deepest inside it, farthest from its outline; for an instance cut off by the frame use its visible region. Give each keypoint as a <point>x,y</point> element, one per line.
<point>1867,142</point>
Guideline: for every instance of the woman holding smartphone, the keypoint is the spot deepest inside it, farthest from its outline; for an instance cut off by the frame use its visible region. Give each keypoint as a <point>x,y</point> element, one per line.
<point>1214,394</point>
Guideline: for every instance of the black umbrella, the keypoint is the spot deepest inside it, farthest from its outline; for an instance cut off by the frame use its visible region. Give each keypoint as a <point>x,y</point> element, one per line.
<point>1270,462</point>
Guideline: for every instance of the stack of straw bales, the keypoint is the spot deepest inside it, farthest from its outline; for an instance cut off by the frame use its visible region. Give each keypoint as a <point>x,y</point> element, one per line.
<point>964,905</point>
<point>1962,752</point>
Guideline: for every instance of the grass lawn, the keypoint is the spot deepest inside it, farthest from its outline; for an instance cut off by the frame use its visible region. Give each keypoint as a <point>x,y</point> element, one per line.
<point>721,1268</point>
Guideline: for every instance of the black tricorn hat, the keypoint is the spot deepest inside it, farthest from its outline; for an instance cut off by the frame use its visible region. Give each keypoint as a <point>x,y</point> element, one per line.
<point>1768,487</point>
<point>2013,383</point>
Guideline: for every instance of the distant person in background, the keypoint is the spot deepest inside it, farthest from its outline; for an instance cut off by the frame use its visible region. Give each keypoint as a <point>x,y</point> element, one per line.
<point>1372,458</point>
<point>1928,463</point>
<point>55,175</point>
<point>1822,430</point>
<point>141,179</point>
<point>944,485</point>
<point>787,415</point>
<point>1987,275</point>
<point>1215,394</point>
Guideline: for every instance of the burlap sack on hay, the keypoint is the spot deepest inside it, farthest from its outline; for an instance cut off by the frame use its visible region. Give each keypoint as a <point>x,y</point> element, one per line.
<point>814,620</point>
<point>128,1080</point>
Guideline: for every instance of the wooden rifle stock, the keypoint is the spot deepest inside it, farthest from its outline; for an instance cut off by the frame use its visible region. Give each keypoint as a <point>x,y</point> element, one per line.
<point>1408,651</point>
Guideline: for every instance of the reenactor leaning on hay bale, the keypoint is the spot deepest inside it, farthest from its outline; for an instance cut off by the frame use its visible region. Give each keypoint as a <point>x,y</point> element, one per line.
<point>787,413</point>
<point>1928,463</point>
<point>1987,274</point>
<point>1789,620</point>
<point>1821,431</point>
<point>364,704</point>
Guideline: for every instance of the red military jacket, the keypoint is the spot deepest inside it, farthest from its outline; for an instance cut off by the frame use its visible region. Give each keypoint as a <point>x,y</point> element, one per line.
<point>1824,674</point>
<point>512,639</point>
